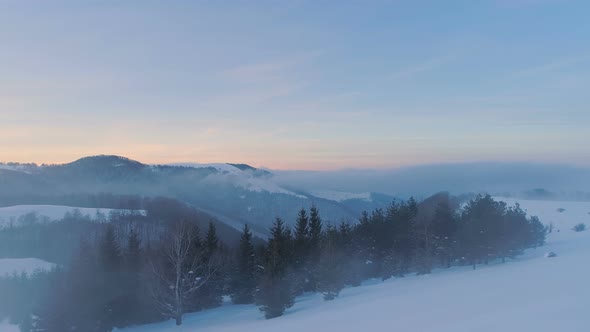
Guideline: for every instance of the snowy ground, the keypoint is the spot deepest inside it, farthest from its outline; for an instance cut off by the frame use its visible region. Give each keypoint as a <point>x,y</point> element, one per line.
<point>6,327</point>
<point>10,215</point>
<point>9,266</point>
<point>531,293</point>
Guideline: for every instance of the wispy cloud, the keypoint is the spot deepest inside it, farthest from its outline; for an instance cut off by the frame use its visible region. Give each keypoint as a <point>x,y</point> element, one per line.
<point>422,67</point>
<point>552,66</point>
<point>261,72</point>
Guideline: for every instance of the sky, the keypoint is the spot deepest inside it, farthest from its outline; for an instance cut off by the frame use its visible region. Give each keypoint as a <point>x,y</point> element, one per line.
<point>315,85</point>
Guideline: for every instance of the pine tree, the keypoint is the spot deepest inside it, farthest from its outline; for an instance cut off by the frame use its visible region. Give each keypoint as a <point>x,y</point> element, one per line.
<point>302,234</point>
<point>301,251</point>
<point>406,230</point>
<point>444,226</point>
<point>133,298</point>
<point>211,241</point>
<point>315,228</point>
<point>480,229</point>
<point>110,277</point>
<point>331,272</point>
<point>350,249</point>
<point>78,290</point>
<point>211,294</point>
<point>314,248</point>
<point>244,280</point>
<point>275,292</point>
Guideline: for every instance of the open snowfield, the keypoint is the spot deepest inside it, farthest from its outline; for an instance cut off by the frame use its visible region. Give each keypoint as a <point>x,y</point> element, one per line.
<point>6,327</point>
<point>10,215</point>
<point>9,266</point>
<point>531,293</point>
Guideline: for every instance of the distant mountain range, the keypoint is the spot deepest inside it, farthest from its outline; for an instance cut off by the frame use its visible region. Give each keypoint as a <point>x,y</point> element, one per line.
<point>233,193</point>
<point>236,194</point>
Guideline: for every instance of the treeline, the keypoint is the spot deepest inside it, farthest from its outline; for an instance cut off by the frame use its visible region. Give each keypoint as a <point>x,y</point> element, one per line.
<point>34,235</point>
<point>125,278</point>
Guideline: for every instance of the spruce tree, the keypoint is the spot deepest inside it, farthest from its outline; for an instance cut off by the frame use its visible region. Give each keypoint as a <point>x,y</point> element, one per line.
<point>444,226</point>
<point>244,279</point>
<point>210,295</point>
<point>301,244</point>
<point>133,295</point>
<point>302,233</point>
<point>112,293</point>
<point>330,271</point>
<point>275,292</point>
<point>211,241</point>
<point>315,238</point>
<point>404,231</point>
<point>315,228</point>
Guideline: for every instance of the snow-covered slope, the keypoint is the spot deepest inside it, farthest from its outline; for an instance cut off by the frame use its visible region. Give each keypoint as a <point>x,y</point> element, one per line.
<point>10,266</point>
<point>12,215</point>
<point>5,326</point>
<point>531,293</point>
<point>246,177</point>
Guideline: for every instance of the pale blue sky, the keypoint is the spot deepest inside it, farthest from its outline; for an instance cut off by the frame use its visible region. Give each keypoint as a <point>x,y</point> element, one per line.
<point>296,84</point>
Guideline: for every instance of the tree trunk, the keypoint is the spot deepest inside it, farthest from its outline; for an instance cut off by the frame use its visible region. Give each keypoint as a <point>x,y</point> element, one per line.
<point>178,320</point>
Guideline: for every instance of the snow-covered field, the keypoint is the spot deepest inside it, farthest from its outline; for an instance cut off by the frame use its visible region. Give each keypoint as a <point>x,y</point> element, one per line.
<point>531,293</point>
<point>10,266</point>
<point>6,327</point>
<point>12,214</point>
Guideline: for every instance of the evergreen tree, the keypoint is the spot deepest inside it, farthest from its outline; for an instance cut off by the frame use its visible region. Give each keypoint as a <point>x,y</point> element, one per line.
<point>211,241</point>
<point>314,248</point>
<point>244,280</point>
<point>301,250</point>
<point>275,292</point>
<point>444,226</point>
<point>110,277</point>
<point>75,301</point>
<point>395,237</point>
<point>350,249</point>
<point>133,296</point>
<point>302,234</point>
<point>315,228</point>
<point>331,272</point>
<point>536,233</point>
<point>211,294</point>
<point>480,230</point>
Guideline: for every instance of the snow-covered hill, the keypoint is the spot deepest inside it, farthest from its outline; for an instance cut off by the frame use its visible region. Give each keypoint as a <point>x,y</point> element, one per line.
<point>531,293</point>
<point>235,193</point>
<point>14,215</point>
<point>10,266</point>
<point>244,176</point>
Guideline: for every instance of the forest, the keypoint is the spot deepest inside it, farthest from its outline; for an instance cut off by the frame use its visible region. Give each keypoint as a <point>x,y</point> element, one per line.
<point>132,269</point>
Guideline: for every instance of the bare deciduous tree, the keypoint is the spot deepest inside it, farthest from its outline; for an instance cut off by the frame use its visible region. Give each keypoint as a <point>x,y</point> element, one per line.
<point>179,269</point>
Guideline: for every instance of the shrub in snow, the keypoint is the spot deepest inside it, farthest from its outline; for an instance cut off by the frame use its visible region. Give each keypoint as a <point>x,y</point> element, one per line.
<point>579,227</point>
<point>561,210</point>
<point>550,254</point>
